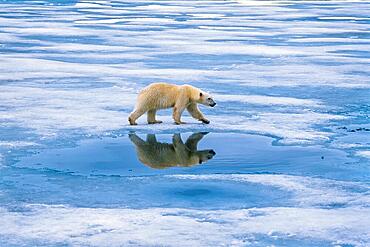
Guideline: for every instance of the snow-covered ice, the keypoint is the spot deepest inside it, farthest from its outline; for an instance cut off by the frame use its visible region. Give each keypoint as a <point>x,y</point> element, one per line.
<point>290,131</point>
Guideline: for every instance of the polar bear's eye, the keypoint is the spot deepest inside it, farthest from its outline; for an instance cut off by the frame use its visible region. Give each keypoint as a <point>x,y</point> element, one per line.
<point>200,94</point>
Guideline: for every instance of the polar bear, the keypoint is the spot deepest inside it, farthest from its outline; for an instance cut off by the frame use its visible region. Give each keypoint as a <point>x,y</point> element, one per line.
<point>163,95</point>
<point>160,155</point>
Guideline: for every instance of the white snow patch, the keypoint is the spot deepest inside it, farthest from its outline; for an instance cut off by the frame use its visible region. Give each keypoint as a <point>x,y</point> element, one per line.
<point>96,110</point>
<point>60,110</point>
<point>345,18</point>
<point>261,2</point>
<point>267,100</point>
<point>329,40</point>
<point>227,48</point>
<point>171,226</point>
<point>18,68</point>
<point>364,153</point>
<point>292,127</point>
<point>16,144</point>
<point>51,110</point>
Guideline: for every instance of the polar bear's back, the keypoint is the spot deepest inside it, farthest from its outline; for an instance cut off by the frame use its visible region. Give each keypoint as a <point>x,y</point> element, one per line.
<point>158,96</point>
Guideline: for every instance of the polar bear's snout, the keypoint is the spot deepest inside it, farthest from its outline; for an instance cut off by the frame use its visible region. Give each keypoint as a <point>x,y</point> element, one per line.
<point>211,102</point>
<point>206,155</point>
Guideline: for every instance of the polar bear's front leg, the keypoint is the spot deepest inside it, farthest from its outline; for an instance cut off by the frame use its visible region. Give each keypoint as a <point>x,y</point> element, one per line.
<point>196,113</point>
<point>177,111</point>
<point>180,105</point>
<point>151,117</point>
<point>135,115</point>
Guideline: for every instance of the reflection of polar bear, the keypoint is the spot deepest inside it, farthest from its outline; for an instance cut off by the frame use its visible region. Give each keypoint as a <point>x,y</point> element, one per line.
<point>163,155</point>
<point>163,95</point>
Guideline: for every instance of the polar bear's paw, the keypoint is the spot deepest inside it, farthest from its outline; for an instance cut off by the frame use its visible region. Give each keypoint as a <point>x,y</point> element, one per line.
<point>180,122</point>
<point>131,121</point>
<point>155,122</point>
<point>205,121</point>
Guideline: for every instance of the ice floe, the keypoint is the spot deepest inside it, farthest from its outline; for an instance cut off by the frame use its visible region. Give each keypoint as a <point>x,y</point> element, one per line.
<point>294,70</point>
<point>329,211</point>
<point>48,225</point>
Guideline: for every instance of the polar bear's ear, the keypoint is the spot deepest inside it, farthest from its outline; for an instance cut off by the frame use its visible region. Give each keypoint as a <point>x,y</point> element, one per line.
<point>201,94</point>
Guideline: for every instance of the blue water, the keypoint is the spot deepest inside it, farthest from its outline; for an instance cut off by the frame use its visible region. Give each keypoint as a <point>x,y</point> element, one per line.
<point>284,162</point>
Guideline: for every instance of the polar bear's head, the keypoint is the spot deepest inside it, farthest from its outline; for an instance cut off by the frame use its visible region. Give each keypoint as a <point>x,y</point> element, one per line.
<point>206,99</point>
<point>205,155</point>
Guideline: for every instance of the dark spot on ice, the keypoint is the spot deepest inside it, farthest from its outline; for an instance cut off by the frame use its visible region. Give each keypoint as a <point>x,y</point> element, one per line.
<point>354,130</point>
